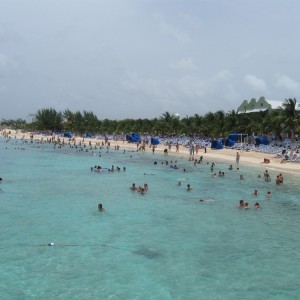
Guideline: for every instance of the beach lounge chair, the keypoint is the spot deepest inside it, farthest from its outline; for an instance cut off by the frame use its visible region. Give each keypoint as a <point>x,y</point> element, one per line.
<point>293,158</point>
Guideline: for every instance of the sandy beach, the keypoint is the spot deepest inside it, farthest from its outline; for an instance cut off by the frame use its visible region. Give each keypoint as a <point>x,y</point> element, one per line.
<point>229,155</point>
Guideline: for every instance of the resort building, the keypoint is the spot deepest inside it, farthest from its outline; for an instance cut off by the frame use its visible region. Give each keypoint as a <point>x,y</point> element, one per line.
<point>261,105</point>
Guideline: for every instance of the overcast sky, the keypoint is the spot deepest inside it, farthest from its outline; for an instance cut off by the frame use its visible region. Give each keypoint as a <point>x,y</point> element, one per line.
<point>140,58</point>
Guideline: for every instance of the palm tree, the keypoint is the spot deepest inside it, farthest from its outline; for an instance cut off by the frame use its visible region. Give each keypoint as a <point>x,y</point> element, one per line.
<point>219,123</point>
<point>49,119</point>
<point>166,122</point>
<point>272,124</point>
<point>290,116</point>
<point>231,121</point>
<point>197,122</point>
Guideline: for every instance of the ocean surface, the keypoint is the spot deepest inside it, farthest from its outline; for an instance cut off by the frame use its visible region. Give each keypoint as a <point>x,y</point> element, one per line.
<point>165,244</point>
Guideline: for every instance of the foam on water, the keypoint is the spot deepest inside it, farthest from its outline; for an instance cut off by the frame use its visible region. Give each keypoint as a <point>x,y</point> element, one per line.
<point>161,245</point>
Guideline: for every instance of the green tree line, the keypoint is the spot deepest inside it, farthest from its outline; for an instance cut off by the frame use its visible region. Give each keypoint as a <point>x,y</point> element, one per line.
<point>279,122</point>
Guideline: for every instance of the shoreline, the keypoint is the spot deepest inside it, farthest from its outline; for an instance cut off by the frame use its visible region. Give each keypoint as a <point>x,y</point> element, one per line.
<point>247,158</point>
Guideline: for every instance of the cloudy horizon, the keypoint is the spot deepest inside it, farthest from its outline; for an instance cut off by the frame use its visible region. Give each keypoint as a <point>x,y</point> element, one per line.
<point>141,58</point>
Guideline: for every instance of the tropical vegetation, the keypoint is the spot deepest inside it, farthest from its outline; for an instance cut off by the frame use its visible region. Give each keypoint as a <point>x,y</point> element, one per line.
<point>280,123</point>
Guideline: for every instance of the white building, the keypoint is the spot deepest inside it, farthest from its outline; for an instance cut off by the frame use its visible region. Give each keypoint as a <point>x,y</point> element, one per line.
<point>261,105</point>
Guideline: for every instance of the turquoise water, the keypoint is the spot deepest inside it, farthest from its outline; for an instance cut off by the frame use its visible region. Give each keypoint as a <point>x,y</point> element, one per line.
<point>161,245</point>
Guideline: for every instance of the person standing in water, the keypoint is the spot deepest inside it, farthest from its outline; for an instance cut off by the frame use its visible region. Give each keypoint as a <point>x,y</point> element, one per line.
<point>100,207</point>
<point>237,158</point>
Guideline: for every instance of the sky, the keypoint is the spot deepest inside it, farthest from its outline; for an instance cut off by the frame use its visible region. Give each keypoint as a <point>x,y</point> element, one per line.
<point>141,58</point>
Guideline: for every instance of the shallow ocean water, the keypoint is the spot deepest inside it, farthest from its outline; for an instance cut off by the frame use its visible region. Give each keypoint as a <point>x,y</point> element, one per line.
<point>161,245</point>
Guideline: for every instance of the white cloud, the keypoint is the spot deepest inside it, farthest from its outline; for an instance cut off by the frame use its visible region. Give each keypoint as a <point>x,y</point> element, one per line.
<point>193,21</point>
<point>189,92</point>
<point>3,88</point>
<point>249,53</point>
<point>223,75</point>
<point>182,54</point>
<point>147,86</point>
<point>171,30</point>
<point>255,82</point>
<point>185,64</point>
<point>6,63</point>
<point>286,82</point>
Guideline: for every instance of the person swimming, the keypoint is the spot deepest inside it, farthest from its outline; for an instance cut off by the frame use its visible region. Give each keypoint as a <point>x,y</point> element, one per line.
<point>241,204</point>
<point>281,177</point>
<point>189,187</point>
<point>133,187</point>
<point>268,195</point>
<point>256,205</point>
<point>100,207</point>
<point>278,181</point>
<point>141,190</point>
<point>146,187</point>
<point>206,200</point>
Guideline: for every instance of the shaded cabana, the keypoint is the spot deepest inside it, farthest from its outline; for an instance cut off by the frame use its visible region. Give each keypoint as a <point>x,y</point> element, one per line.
<point>68,135</point>
<point>261,140</point>
<point>133,138</point>
<point>237,137</point>
<point>216,144</point>
<point>154,141</point>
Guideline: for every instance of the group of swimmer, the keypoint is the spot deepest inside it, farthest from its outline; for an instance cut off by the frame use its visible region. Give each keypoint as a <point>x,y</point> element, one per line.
<point>109,170</point>
<point>279,179</point>
<point>243,204</point>
<point>141,189</point>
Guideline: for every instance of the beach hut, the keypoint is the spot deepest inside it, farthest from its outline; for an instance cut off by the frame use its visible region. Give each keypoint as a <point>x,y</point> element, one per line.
<point>237,137</point>
<point>216,144</point>
<point>261,140</point>
<point>68,135</point>
<point>133,138</point>
<point>154,141</point>
<point>229,142</point>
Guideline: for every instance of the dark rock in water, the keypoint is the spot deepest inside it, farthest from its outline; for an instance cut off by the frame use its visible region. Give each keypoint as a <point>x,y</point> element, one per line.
<point>149,253</point>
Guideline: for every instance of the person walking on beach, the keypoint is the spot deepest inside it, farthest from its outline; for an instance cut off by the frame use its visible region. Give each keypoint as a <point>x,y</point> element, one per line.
<point>237,159</point>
